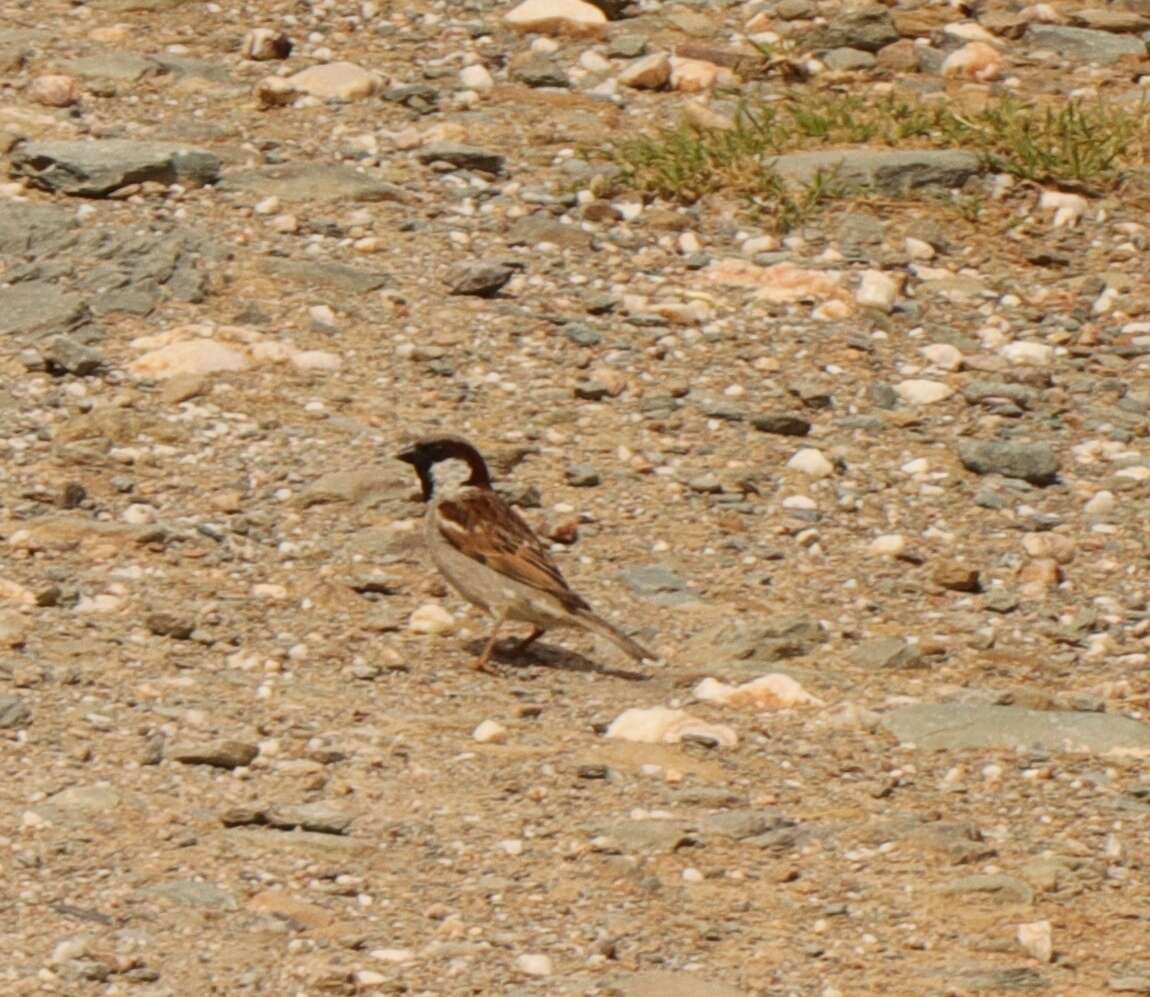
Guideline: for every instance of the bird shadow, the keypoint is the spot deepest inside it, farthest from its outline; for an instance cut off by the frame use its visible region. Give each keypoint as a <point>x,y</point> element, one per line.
<point>557,658</point>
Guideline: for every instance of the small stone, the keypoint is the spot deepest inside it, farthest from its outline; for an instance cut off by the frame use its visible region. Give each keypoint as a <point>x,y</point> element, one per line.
<point>1036,937</point>
<point>782,425</point>
<point>886,652</point>
<point>652,72</point>
<point>431,618</point>
<point>14,713</point>
<point>189,356</point>
<point>54,90</point>
<point>225,754</point>
<point>918,391</point>
<point>462,157</point>
<point>812,463</point>
<point>877,290</point>
<point>582,476</point>
<point>322,818</point>
<point>956,577</point>
<point>480,280</point>
<point>1101,504</point>
<point>477,78</point>
<point>1036,463</point>
<point>974,61</point>
<point>335,81</point>
<point>166,624</point>
<point>490,732</point>
<point>557,17</point>
<point>888,545</point>
<point>943,356</point>
<point>661,725</point>
<point>767,691</point>
<point>533,964</point>
<point>264,45</point>
<point>274,91</point>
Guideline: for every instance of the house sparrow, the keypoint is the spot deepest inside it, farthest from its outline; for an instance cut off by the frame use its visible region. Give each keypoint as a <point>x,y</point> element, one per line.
<point>490,555</point>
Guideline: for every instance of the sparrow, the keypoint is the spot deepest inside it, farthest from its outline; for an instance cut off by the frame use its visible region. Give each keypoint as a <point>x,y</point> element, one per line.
<point>490,556</point>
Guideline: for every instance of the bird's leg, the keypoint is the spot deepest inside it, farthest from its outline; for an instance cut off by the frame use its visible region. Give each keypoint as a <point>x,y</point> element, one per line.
<point>521,648</point>
<point>483,662</point>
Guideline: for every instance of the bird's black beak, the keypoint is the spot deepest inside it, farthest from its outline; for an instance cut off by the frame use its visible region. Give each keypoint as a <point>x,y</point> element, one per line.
<point>408,456</point>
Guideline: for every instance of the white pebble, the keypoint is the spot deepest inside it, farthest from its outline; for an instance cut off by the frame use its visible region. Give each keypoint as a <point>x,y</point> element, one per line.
<point>490,732</point>
<point>812,463</point>
<point>431,619</point>
<point>922,392</point>
<point>1037,938</point>
<point>534,964</point>
<point>1102,504</point>
<point>888,545</point>
<point>877,290</point>
<point>476,78</point>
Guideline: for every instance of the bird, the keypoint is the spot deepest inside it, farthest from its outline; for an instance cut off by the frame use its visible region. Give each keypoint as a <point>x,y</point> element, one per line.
<point>490,556</point>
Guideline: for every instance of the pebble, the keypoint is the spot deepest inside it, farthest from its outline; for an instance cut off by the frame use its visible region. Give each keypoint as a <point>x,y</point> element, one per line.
<point>923,392</point>
<point>1037,938</point>
<point>652,72</point>
<point>54,90</point>
<point>490,732</point>
<point>559,17</point>
<point>534,964</point>
<point>877,290</point>
<point>812,463</point>
<point>432,618</point>
<point>264,44</point>
<point>335,81</point>
<point>662,725</point>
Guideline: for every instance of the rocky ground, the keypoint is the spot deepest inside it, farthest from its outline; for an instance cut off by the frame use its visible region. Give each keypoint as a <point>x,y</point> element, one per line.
<point>895,457</point>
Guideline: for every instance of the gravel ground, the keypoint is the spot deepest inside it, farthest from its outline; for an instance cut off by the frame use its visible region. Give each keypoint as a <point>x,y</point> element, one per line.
<point>896,458</point>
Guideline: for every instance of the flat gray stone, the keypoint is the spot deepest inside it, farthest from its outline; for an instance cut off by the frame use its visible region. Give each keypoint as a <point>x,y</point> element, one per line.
<point>886,652</point>
<point>123,67</point>
<point>337,276</point>
<point>888,172</point>
<point>759,641</point>
<point>366,486</point>
<point>480,279</point>
<point>77,805</point>
<point>533,229</point>
<point>319,817</point>
<point>14,713</point>
<point>650,834</point>
<point>1084,45</point>
<point>659,584</point>
<point>1033,462</point>
<point>953,726</point>
<point>95,169</point>
<point>27,227</point>
<point>312,182</point>
<point>1000,888</point>
<point>260,840</point>
<point>866,28</point>
<point>191,893</point>
<point>35,310</point>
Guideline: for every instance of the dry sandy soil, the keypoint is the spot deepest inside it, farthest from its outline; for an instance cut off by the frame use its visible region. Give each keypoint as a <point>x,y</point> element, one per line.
<point>898,454</point>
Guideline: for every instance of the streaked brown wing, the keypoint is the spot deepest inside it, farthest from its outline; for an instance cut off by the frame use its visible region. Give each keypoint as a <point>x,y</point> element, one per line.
<point>485,528</point>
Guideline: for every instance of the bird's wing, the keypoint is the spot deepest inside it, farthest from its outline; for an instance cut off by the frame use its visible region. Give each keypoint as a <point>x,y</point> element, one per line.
<point>483,527</point>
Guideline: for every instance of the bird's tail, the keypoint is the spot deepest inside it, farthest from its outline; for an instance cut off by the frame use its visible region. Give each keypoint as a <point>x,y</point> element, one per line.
<point>599,626</point>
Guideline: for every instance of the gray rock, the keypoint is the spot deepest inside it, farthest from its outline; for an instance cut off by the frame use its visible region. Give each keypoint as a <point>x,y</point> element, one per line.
<point>191,893</point>
<point>29,227</point>
<point>326,273</point>
<point>321,818</point>
<point>758,641</point>
<point>1000,888</point>
<point>195,69</point>
<point>581,476</point>
<point>1084,45</point>
<point>1036,463</point>
<point>367,487</point>
<point>14,713</point>
<point>657,583</point>
<point>740,824</point>
<point>867,28</point>
<point>782,424</point>
<point>626,46</point>
<point>1020,394</point>
<point>313,183</point>
<point>886,652</point>
<point>987,978</point>
<point>1129,984</point>
<point>846,60</point>
<point>1000,600</point>
<point>263,840</point>
<point>650,834</point>
<point>64,355</point>
<point>952,726</point>
<point>480,280</point>
<point>464,157</point>
<point>123,67</point>
<point>542,72</point>
<point>36,311</point>
<point>95,169</point>
<point>76,806</point>
<point>140,299</point>
<point>887,172</point>
<point>226,754</point>
<point>535,228</point>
